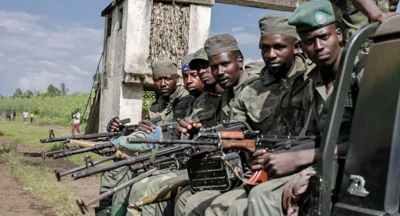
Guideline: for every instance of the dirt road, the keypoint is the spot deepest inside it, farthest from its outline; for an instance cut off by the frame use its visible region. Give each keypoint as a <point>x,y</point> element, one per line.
<point>16,200</point>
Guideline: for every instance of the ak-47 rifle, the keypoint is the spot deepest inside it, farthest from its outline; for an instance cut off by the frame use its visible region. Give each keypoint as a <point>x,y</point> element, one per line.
<point>234,140</point>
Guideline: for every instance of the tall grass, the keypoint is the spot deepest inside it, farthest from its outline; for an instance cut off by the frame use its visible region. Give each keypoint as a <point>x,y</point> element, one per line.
<point>48,110</point>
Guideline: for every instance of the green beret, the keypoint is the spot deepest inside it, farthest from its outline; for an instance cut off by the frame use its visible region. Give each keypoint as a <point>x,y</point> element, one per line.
<point>199,55</point>
<point>219,44</point>
<point>312,15</point>
<point>254,67</point>
<point>187,59</point>
<point>164,67</point>
<point>276,24</point>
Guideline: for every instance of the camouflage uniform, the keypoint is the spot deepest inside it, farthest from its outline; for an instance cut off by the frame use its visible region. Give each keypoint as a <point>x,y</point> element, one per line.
<point>349,19</point>
<point>176,107</point>
<point>266,198</point>
<point>205,108</point>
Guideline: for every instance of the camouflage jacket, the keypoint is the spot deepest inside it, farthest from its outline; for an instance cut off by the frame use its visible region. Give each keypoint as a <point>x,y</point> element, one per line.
<point>205,108</point>
<point>317,100</point>
<point>230,95</point>
<point>274,106</point>
<point>178,106</point>
<point>349,19</point>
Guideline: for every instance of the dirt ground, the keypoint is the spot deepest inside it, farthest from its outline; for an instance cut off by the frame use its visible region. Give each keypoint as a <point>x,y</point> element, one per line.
<point>15,200</point>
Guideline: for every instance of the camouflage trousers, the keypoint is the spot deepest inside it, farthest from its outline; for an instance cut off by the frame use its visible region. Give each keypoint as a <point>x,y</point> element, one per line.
<point>264,199</point>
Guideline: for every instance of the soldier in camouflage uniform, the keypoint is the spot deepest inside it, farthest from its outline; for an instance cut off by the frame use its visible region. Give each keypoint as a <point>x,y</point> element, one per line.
<point>204,108</point>
<point>320,39</point>
<point>351,15</point>
<point>271,104</point>
<point>226,62</point>
<point>173,103</point>
<point>194,86</point>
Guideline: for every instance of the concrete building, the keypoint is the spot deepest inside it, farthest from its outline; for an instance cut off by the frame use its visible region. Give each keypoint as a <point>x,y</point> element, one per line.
<point>138,32</point>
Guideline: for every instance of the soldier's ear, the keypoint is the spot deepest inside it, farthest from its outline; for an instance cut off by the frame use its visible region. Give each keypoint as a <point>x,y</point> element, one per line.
<point>240,61</point>
<point>339,35</point>
<point>297,46</point>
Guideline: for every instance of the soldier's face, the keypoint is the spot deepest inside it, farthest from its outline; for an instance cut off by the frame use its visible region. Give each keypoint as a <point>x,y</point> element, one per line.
<point>278,52</point>
<point>225,68</point>
<point>204,70</point>
<point>165,84</point>
<point>192,82</point>
<point>322,46</point>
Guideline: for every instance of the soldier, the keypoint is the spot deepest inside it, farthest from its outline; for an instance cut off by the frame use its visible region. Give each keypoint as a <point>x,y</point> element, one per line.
<point>191,78</point>
<point>272,104</point>
<point>351,15</point>
<point>204,108</point>
<point>320,40</point>
<point>173,103</point>
<point>226,62</point>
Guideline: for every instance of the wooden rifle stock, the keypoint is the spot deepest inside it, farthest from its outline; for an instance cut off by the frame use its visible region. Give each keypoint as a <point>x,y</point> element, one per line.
<point>165,193</point>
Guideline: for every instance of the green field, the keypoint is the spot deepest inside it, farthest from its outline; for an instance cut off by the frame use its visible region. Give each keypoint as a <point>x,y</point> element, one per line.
<point>48,110</point>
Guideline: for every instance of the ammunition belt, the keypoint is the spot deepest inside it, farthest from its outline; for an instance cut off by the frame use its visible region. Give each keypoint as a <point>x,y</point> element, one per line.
<point>210,172</point>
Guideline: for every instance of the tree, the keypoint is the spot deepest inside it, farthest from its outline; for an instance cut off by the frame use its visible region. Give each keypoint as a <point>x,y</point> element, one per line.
<point>53,91</point>
<point>64,89</point>
<point>29,94</point>
<point>18,93</point>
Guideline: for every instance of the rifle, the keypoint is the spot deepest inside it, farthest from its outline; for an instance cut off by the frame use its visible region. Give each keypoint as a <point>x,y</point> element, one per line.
<point>82,167</point>
<point>163,194</point>
<point>125,131</point>
<point>234,140</point>
<point>83,205</point>
<point>136,163</point>
<point>96,147</point>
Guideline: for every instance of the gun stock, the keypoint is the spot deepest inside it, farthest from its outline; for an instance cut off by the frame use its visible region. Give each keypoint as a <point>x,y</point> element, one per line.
<point>165,193</point>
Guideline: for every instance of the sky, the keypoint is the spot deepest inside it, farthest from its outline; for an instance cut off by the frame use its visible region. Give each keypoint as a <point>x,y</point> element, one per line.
<point>53,41</point>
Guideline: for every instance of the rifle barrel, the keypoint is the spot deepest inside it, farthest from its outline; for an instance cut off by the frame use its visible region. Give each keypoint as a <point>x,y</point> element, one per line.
<point>83,205</point>
<point>173,141</point>
<point>82,150</point>
<point>82,167</point>
<point>130,161</point>
<point>86,136</point>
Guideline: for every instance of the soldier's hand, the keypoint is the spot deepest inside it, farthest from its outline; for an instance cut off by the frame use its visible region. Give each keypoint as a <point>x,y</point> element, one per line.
<point>276,165</point>
<point>256,161</point>
<point>115,125</point>
<point>146,127</point>
<point>187,125</point>
<point>384,16</point>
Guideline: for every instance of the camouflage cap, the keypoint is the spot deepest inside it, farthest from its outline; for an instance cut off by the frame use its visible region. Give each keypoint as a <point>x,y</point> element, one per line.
<point>220,43</point>
<point>164,67</point>
<point>185,62</point>
<point>199,55</point>
<point>276,24</point>
<point>254,67</point>
<point>312,15</point>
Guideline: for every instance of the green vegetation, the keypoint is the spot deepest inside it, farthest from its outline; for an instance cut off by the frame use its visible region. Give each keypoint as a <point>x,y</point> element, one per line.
<point>40,181</point>
<point>54,110</point>
<point>30,135</point>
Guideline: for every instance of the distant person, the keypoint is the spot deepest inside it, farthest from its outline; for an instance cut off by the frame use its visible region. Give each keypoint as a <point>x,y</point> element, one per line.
<point>76,122</point>
<point>14,114</point>
<point>32,117</point>
<point>25,115</point>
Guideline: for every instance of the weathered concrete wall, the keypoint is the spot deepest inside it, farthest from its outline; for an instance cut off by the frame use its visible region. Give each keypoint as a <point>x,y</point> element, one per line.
<point>113,67</point>
<point>199,26</point>
<point>138,34</point>
<point>131,101</point>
